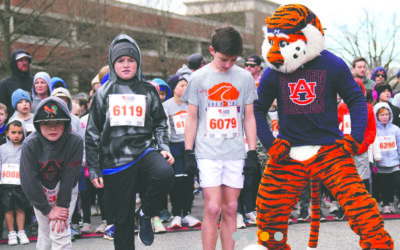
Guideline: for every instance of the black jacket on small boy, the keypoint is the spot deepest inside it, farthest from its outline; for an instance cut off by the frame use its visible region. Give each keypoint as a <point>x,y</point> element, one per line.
<point>44,164</point>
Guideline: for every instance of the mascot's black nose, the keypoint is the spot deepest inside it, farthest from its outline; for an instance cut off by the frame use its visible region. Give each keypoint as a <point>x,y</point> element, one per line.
<point>277,65</point>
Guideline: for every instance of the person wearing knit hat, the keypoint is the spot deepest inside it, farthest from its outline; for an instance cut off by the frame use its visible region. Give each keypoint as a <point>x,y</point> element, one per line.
<point>57,82</point>
<point>41,88</point>
<point>21,101</point>
<point>383,92</point>
<point>396,98</point>
<point>379,74</point>
<point>173,81</point>
<point>165,90</point>
<point>126,144</point>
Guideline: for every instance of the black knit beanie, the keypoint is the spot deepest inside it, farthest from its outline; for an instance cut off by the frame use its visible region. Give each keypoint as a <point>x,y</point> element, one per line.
<point>124,49</point>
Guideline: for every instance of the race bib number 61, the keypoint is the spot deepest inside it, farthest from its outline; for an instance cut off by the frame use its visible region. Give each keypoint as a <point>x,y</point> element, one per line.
<point>127,110</point>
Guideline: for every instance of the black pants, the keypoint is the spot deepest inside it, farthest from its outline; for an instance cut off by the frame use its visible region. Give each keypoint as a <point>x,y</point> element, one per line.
<point>387,186</point>
<point>181,195</point>
<point>153,177</point>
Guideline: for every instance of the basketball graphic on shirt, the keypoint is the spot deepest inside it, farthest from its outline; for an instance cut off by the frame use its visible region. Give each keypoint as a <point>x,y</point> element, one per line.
<point>223,94</point>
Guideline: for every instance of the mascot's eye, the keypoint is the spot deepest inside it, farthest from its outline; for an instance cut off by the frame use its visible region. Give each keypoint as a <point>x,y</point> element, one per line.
<point>271,42</point>
<point>282,44</point>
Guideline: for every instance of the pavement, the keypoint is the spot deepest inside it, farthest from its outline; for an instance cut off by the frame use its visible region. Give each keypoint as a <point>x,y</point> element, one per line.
<point>333,236</point>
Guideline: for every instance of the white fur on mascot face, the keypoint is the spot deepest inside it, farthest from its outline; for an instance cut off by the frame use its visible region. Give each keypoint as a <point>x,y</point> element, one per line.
<point>286,49</point>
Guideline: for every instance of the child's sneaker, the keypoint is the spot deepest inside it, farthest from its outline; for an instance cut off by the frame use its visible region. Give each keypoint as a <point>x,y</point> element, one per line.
<point>334,207</point>
<point>175,223</point>
<point>23,239</point>
<point>109,233</point>
<point>158,227</point>
<point>75,231</point>
<point>386,210</point>
<point>252,217</point>
<point>240,221</point>
<point>392,208</point>
<point>86,228</point>
<point>165,215</point>
<point>102,227</point>
<point>146,234</point>
<point>191,221</point>
<point>12,238</point>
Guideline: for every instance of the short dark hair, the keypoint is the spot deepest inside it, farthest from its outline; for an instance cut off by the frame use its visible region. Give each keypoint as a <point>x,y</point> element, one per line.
<point>227,41</point>
<point>358,59</point>
<point>15,123</point>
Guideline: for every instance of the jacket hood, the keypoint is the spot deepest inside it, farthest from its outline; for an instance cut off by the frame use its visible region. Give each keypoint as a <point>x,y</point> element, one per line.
<point>163,86</point>
<point>46,77</point>
<point>62,92</point>
<point>61,104</point>
<point>13,63</point>
<point>118,39</point>
<point>380,68</point>
<point>377,107</point>
<point>55,80</point>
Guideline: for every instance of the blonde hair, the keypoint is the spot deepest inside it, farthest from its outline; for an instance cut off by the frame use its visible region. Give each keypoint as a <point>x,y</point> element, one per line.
<point>3,107</point>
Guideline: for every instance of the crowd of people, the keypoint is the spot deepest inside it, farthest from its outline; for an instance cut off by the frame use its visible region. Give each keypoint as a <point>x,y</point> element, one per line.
<point>135,140</point>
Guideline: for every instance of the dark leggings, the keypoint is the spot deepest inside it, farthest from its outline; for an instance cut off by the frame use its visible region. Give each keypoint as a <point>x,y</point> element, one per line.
<point>387,186</point>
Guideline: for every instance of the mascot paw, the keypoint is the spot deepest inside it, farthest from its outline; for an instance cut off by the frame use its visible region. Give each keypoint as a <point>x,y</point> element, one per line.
<point>279,150</point>
<point>348,144</point>
<point>255,247</point>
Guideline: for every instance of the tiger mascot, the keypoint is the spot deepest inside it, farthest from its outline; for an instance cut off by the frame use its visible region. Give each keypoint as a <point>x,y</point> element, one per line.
<point>305,79</point>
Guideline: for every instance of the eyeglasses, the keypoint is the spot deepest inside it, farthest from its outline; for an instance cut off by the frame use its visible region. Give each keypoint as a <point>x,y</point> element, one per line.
<point>250,65</point>
<point>382,75</point>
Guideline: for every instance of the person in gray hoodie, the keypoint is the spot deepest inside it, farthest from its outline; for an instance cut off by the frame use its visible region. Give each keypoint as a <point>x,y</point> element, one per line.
<point>51,162</point>
<point>388,139</point>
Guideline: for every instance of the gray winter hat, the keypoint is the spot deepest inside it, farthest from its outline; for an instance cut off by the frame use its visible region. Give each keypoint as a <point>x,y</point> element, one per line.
<point>124,49</point>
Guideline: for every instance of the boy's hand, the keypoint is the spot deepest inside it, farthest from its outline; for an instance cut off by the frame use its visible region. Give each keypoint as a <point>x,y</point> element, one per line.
<point>251,163</point>
<point>98,182</point>
<point>167,156</point>
<point>190,163</point>
<point>58,213</point>
<point>59,225</point>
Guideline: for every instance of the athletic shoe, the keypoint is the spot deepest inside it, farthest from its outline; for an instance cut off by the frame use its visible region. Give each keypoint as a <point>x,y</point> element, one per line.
<point>86,228</point>
<point>136,228</point>
<point>339,214</point>
<point>392,208</point>
<point>334,207</point>
<point>109,232</point>
<point>304,216</point>
<point>146,234</point>
<point>75,232</point>
<point>93,210</point>
<point>386,210</point>
<point>102,227</point>
<point>165,215</point>
<point>191,221</point>
<point>12,238</point>
<point>158,227</point>
<point>240,221</point>
<point>176,222</point>
<point>23,239</point>
<point>252,217</point>
<point>322,217</point>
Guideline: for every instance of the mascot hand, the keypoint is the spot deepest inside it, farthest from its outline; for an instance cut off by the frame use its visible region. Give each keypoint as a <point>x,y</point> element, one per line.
<point>279,150</point>
<point>251,163</point>
<point>348,144</point>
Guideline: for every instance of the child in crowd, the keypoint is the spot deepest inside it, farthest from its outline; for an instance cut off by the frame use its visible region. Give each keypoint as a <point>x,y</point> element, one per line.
<point>13,198</point>
<point>126,144</point>
<point>165,90</point>
<point>388,172</point>
<point>220,98</point>
<point>40,89</point>
<point>181,194</point>
<point>3,118</point>
<point>21,102</point>
<point>51,162</point>
<point>57,82</point>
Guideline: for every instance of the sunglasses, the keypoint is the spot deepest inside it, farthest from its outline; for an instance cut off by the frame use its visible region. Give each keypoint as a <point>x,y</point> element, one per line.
<point>250,65</point>
<point>382,75</point>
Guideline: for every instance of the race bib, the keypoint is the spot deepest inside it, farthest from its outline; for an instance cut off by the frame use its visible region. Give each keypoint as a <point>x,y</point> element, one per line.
<point>51,194</point>
<point>10,174</point>
<point>222,122</point>
<point>179,122</point>
<point>127,110</point>
<point>387,143</point>
<point>346,125</point>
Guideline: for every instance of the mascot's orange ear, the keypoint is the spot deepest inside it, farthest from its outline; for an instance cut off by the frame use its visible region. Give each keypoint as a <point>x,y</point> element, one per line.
<point>294,36</point>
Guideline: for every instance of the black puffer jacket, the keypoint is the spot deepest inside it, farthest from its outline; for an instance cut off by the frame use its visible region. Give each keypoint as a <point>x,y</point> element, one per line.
<point>17,80</point>
<point>114,146</point>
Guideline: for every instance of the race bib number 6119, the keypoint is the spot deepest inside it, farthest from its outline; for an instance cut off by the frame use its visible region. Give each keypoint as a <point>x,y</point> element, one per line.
<point>127,110</point>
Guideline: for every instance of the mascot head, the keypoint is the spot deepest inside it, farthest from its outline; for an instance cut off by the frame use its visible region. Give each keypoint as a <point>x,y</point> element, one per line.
<point>293,36</point>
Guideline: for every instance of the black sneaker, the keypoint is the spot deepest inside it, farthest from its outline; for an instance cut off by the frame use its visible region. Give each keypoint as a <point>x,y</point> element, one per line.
<point>146,234</point>
<point>304,216</point>
<point>339,214</point>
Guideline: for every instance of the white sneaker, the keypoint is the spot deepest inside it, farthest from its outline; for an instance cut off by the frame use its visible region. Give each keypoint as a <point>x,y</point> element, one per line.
<point>386,210</point>
<point>176,222</point>
<point>102,227</point>
<point>252,217</point>
<point>93,210</point>
<point>23,239</point>
<point>86,228</point>
<point>12,238</point>
<point>392,208</point>
<point>191,221</point>
<point>240,221</point>
<point>158,227</point>
<point>334,207</point>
